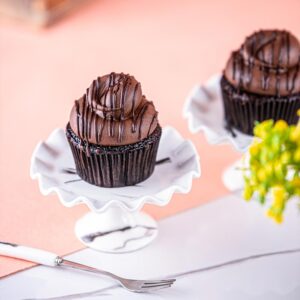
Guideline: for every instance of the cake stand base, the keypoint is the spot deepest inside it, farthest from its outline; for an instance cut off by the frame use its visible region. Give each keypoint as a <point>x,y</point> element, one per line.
<point>116,230</point>
<point>116,224</point>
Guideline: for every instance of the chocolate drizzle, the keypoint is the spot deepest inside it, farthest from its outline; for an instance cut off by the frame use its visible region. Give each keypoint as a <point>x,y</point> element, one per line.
<point>113,133</point>
<point>267,63</point>
<point>113,111</point>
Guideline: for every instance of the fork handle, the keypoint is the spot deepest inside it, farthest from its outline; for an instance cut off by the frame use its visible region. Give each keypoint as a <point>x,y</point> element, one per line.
<point>46,258</point>
<point>31,254</point>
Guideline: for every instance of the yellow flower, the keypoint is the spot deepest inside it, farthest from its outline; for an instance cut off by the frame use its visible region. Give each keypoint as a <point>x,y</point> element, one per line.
<point>254,148</point>
<point>278,193</point>
<point>295,133</point>
<point>269,169</point>
<point>276,217</point>
<point>279,172</point>
<point>285,157</point>
<point>280,126</point>
<point>296,182</point>
<point>297,155</point>
<point>278,202</point>
<point>262,191</point>
<point>270,213</point>
<point>248,192</point>
<point>297,191</point>
<point>262,175</point>
<point>261,130</point>
<point>274,153</point>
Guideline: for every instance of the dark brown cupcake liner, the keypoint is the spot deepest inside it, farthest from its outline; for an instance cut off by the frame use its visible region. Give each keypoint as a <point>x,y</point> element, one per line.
<point>114,166</point>
<point>243,109</point>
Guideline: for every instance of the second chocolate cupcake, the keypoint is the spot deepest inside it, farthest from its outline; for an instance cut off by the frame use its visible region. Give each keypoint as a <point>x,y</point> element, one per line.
<point>114,132</point>
<point>262,80</point>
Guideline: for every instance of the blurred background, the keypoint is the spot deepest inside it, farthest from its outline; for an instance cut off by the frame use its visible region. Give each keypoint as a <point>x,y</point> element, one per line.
<point>51,50</point>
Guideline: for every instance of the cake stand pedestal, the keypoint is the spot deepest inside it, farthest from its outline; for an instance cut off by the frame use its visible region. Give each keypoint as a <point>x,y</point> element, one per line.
<point>115,223</point>
<point>116,230</point>
<point>204,111</point>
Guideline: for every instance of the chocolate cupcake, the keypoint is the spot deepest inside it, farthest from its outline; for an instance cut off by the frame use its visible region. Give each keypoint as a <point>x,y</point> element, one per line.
<point>114,132</point>
<point>262,80</point>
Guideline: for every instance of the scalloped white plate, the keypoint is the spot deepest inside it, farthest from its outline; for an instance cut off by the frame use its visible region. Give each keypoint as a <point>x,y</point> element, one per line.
<point>204,110</point>
<point>53,157</point>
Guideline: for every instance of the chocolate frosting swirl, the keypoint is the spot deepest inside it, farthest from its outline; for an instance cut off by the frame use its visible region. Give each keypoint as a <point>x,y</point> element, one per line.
<point>268,63</point>
<point>113,111</point>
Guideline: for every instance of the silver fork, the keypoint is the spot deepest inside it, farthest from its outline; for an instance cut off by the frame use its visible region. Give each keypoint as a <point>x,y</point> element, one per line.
<point>132,285</point>
<point>51,259</point>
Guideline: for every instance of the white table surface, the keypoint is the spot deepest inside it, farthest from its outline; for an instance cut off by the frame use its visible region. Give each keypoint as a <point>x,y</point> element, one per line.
<point>224,230</point>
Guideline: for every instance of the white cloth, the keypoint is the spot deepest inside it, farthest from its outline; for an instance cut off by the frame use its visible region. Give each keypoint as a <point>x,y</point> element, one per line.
<point>221,231</point>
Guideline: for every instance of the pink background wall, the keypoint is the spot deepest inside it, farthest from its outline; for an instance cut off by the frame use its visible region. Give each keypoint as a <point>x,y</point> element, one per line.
<point>168,45</point>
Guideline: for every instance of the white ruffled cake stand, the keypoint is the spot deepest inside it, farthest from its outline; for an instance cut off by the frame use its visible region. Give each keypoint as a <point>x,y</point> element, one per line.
<point>204,111</point>
<point>115,223</point>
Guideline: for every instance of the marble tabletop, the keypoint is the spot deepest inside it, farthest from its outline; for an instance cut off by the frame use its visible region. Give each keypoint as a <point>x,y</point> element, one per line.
<point>226,249</point>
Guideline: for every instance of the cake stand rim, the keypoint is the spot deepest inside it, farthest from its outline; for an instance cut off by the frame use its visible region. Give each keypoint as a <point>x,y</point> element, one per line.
<point>147,199</point>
